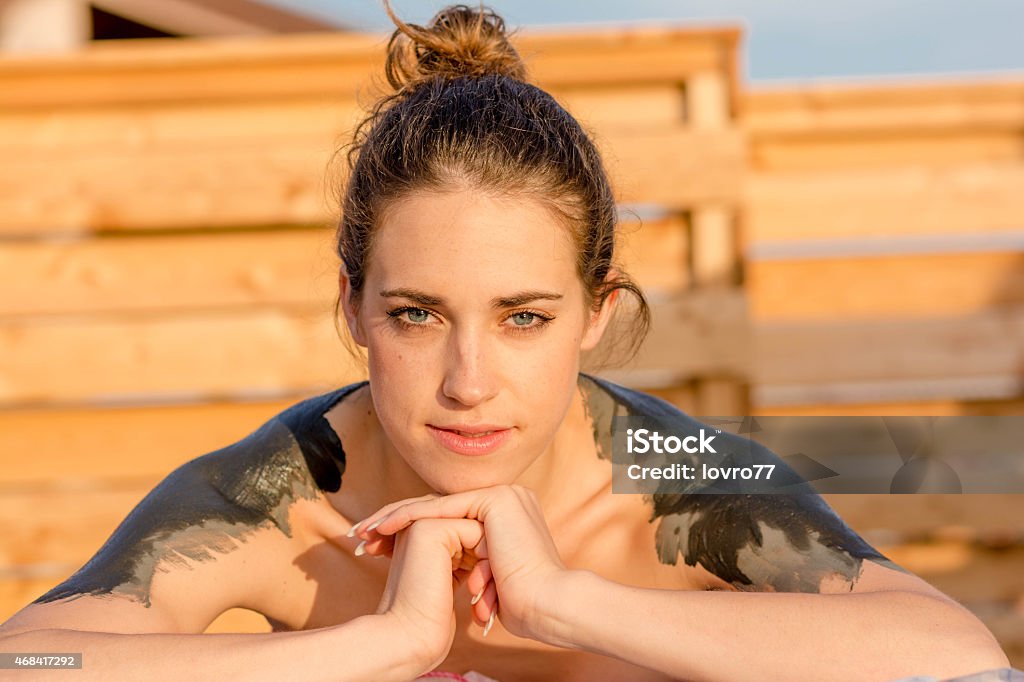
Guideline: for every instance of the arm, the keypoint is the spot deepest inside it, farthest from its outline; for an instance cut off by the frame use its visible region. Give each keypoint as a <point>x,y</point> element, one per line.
<point>806,597</point>
<point>362,649</point>
<point>208,538</point>
<point>723,635</point>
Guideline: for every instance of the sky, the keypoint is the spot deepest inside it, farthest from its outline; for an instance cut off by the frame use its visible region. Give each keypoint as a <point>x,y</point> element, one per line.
<point>788,40</point>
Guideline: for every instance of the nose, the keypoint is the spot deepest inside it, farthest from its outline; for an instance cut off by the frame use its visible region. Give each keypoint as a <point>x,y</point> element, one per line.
<point>469,377</point>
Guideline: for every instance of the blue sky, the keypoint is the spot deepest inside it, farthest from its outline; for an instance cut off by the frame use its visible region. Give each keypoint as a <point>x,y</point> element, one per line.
<point>785,39</point>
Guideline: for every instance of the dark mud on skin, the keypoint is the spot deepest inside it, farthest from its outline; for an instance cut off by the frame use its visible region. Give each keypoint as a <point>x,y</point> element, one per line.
<point>211,504</point>
<point>769,542</point>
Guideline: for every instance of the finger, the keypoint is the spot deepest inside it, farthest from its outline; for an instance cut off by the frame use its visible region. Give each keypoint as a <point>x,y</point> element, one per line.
<point>359,526</point>
<point>382,546</point>
<point>487,606</point>
<point>478,578</point>
<point>456,535</point>
<point>471,504</point>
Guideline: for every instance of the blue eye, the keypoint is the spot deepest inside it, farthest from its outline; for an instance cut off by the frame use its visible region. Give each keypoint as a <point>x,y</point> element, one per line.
<point>409,317</point>
<point>525,318</point>
<point>416,315</point>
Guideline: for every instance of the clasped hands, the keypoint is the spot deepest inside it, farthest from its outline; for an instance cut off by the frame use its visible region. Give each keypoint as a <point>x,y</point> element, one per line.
<point>494,540</point>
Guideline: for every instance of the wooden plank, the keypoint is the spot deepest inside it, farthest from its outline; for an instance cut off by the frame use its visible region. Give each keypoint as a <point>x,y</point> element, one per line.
<point>628,55</point>
<point>696,334</point>
<point>49,26</point>
<point>918,516</point>
<point>905,285</point>
<point>715,258</point>
<point>62,528</point>
<point>988,389</point>
<point>866,150</point>
<point>625,105</point>
<point>168,272</point>
<point>335,64</point>
<point>916,408</point>
<point>194,356</point>
<point>707,100</point>
<point>985,344</point>
<point>655,253</point>
<point>199,186</point>
<point>676,168</point>
<point>288,180</point>
<point>140,129</point>
<point>885,202</point>
<point>62,446</point>
<point>721,397</point>
<point>977,104</point>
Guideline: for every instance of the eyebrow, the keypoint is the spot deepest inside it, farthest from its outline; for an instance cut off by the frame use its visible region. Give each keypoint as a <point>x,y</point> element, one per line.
<point>516,299</point>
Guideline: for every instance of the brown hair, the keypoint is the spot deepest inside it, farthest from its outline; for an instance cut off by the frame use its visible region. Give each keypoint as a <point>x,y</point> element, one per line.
<point>461,113</point>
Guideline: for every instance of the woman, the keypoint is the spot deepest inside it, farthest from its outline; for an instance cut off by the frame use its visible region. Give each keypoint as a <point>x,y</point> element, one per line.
<point>476,244</point>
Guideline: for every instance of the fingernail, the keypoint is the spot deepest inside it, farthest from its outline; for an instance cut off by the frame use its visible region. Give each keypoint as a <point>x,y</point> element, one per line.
<point>374,524</point>
<point>490,622</point>
<point>478,595</point>
<point>352,531</point>
<point>361,548</point>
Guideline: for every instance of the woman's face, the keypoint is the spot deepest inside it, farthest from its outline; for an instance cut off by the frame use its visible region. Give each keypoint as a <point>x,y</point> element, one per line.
<point>473,318</point>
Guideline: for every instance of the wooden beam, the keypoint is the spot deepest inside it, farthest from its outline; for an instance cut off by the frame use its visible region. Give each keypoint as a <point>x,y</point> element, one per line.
<point>333,65</point>
<point>921,516</point>
<point>907,107</point>
<point>195,356</point>
<point>696,334</point>
<point>984,344</point>
<point>885,201</point>
<point>35,27</point>
<point>170,272</point>
<point>287,180</point>
<point>266,268</point>
<point>714,248</point>
<point>214,17</point>
<point>917,286</point>
<point>919,408</point>
<point>55,447</point>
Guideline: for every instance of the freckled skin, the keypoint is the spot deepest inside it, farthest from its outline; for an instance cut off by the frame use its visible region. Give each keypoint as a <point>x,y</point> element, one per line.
<point>786,543</point>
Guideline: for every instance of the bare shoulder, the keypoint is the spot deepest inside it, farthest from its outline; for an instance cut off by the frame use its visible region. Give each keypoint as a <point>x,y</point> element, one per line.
<point>206,538</point>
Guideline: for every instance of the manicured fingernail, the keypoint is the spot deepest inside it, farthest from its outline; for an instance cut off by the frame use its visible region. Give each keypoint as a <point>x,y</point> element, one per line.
<point>478,595</point>
<point>490,622</point>
<point>374,524</point>
<point>352,531</point>
<point>361,548</point>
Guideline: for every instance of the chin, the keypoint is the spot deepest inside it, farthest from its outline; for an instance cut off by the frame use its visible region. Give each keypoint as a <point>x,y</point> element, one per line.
<point>458,483</point>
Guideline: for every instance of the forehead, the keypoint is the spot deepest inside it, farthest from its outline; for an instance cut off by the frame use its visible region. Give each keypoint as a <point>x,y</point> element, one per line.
<point>467,238</point>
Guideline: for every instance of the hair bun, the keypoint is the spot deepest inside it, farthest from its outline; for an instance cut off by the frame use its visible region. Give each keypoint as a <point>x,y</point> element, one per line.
<point>459,41</point>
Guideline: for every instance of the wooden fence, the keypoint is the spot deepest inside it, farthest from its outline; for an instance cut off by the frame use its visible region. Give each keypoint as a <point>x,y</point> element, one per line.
<point>883,232</point>
<point>168,266</point>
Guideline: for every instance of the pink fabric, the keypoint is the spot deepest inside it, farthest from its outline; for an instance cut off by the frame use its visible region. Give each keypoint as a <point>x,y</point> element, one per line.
<point>471,676</point>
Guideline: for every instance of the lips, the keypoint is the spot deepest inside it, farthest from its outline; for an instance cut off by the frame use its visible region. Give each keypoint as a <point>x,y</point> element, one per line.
<point>479,439</point>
